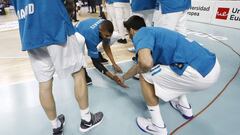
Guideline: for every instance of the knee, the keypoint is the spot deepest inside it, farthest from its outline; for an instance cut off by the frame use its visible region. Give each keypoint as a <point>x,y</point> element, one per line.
<point>45,86</point>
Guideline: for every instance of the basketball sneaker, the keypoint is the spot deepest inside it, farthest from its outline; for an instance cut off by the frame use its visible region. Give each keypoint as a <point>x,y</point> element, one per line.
<point>96,119</point>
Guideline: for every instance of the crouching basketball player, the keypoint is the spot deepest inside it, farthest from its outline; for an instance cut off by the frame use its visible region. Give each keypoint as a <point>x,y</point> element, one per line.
<point>170,67</point>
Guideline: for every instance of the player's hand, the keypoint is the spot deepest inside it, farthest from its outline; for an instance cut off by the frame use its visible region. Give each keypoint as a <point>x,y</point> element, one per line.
<point>119,81</point>
<point>117,68</point>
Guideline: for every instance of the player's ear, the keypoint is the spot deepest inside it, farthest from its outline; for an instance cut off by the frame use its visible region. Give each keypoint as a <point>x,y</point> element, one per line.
<point>132,31</point>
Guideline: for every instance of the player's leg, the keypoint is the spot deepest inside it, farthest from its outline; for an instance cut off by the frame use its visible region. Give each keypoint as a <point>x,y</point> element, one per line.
<point>69,60</point>
<point>112,16</point>
<point>155,125</point>
<point>181,25</point>
<point>170,20</point>
<point>119,9</point>
<point>43,69</point>
<point>47,99</point>
<point>181,104</point>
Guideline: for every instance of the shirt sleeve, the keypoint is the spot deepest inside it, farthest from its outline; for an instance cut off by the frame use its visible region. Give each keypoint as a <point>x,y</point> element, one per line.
<point>144,39</point>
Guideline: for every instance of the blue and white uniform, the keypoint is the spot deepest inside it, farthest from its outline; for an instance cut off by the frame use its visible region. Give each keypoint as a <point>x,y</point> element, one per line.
<point>172,14</point>
<point>122,13</point>
<point>48,36</point>
<point>181,65</point>
<point>90,30</point>
<point>171,6</point>
<point>145,9</point>
<point>111,14</point>
<point>139,5</point>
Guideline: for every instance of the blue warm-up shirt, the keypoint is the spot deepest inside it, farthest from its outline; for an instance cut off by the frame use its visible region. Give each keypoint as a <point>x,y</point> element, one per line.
<point>170,6</point>
<point>171,48</point>
<point>139,5</point>
<point>42,23</point>
<point>90,30</point>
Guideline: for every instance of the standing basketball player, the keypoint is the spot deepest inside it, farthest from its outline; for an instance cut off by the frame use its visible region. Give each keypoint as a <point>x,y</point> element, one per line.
<point>145,9</point>
<point>47,34</point>
<point>122,12</point>
<point>172,14</point>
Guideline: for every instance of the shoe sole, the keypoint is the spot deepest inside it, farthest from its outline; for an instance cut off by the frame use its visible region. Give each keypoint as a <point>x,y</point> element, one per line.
<point>86,130</point>
<point>131,50</point>
<point>184,116</point>
<point>90,83</point>
<point>142,129</point>
<point>64,123</point>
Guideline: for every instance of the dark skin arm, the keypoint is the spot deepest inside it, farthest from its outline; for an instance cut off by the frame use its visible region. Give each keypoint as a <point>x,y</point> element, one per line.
<point>110,75</point>
<point>108,51</point>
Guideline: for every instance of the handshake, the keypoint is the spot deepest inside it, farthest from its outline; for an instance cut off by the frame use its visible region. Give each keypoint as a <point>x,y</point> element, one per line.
<point>119,81</point>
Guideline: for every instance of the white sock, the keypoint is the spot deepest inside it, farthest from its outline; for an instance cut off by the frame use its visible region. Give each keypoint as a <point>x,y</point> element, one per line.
<point>55,123</point>
<point>182,100</point>
<point>156,115</point>
<point>85,114</point>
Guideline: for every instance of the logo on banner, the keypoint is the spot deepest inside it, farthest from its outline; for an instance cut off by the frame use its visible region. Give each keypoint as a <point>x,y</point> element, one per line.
<point>222,13</point>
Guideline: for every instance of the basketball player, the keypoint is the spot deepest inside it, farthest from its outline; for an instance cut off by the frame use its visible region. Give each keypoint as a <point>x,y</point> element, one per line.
<point>108,4</point>
<point>170,67</point>
<point>122,13</point>
<point>95,31</point>
<point>172,14</point>
<point>145,9</point>
<point>47,34</point>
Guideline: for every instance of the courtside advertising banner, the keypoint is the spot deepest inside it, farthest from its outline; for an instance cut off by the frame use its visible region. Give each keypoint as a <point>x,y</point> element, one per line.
<point>227,13</point>
<point>201,11</point>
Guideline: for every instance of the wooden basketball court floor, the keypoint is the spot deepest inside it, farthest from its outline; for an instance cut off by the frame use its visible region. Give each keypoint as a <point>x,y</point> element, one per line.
<point>21,113</point>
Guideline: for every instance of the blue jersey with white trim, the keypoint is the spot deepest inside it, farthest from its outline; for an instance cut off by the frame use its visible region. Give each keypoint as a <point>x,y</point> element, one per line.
<point>42,23</point>
<point>139,5</point>
<point>90,30</point>
<point>170,6</point>
<point>173,49</point>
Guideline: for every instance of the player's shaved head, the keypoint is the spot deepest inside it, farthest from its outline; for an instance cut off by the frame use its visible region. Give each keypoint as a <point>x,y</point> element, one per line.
<point>107,26</point>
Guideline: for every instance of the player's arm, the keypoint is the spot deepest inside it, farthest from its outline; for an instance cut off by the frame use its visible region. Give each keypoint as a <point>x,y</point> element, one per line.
<point>110,75</point>
<point>99,66</point>
<point>145,60</point>
<point>145,63</point>
<point>131,72</point>
<point>108,51</point>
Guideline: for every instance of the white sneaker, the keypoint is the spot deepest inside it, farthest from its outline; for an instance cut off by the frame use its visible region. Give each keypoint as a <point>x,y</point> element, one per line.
<point>132,49</point>
<point>186,112</point>
<point>147,126</point>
